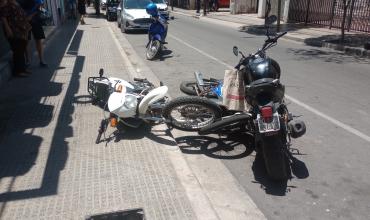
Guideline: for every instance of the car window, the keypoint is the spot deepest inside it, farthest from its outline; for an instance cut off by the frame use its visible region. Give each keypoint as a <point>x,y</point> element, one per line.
<point>136,4</point>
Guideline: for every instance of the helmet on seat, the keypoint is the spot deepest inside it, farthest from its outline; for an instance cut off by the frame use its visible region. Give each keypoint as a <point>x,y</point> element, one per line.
<point>151,9</point>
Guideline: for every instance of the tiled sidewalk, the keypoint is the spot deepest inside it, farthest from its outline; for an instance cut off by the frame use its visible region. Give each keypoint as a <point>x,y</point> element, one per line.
<point>50,166</point>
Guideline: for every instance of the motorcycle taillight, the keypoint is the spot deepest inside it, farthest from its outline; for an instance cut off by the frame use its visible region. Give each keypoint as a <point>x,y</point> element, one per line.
<point>266,113</point>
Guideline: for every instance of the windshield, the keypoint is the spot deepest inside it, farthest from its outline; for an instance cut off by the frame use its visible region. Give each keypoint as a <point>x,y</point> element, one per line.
<point>136,4</point>
<point>159,1</point>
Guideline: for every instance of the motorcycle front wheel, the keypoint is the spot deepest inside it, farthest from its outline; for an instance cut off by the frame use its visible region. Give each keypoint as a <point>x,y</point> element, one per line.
<point>191,113</point>
<point>153,49</point>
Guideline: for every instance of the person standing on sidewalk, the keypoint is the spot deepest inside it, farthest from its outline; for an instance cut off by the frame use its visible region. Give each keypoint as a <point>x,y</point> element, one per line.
<point>37,30</point>
<point>16,28</point>
<point>72,9</point>
<point>198,6</point>
<point>82,10</point>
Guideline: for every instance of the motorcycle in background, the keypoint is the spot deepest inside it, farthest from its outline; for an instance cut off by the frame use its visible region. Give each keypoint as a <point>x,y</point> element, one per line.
<point>157,31</point>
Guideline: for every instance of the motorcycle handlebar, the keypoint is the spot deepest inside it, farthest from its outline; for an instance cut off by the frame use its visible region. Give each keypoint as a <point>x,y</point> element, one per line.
<point>279,35</point>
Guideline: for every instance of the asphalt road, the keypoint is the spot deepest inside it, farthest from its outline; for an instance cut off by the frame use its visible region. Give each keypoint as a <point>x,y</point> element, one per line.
<point>331,92</point>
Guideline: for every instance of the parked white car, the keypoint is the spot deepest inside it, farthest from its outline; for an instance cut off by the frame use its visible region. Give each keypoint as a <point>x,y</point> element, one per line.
<point>162,7</point>
<point>131,15</point>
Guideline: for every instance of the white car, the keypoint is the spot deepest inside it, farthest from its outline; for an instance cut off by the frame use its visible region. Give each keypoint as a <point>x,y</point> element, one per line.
<point>162,7</point>
<point>131,15</point>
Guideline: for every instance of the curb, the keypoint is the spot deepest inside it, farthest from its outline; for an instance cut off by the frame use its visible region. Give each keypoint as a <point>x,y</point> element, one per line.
<point>360,52</point>
<point>199,201</point>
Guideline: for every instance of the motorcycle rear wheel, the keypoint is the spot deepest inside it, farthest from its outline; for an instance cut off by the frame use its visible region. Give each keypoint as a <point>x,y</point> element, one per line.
<point>153,49</point>
<point>276,161</point>
<point>191,113</point>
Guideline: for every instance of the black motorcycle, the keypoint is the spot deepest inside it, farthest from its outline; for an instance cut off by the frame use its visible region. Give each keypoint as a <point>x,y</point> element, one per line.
<point>269,120</point>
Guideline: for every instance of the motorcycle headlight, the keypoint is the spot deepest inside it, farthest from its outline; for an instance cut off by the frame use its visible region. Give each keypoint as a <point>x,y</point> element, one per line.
<point>130,101</point>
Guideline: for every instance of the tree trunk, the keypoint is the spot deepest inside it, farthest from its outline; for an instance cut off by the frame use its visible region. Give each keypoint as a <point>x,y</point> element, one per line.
<point>343,27</point>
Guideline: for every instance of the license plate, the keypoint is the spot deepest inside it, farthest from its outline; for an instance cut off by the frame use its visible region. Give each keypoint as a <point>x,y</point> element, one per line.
<point>264,127</point>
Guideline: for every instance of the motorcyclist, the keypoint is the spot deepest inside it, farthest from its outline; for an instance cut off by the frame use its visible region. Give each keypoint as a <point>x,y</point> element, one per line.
<point>152,10</point>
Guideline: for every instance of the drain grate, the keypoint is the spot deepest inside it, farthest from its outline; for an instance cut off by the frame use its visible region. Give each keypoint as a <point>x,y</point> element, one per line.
<point>130,214</point>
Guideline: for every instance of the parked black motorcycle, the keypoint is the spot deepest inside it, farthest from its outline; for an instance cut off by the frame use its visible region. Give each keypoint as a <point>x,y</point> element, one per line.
<point>269,120</point>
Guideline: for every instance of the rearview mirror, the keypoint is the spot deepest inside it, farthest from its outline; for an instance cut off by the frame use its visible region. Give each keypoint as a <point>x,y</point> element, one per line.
<point>235,50</point>
<point>270,20</point>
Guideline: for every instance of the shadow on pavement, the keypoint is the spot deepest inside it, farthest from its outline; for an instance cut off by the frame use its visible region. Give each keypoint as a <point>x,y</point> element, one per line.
<point>226,148</point>
<point>277,188</point>
<point>123,132</point>
<point>261,30</point>
<point>351,40</point>
<point>326,55</point>
<point>165,54</point>
<point>27,104</point>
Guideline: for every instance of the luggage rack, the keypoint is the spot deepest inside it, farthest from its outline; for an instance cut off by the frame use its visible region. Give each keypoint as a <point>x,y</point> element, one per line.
<point>99,88</point>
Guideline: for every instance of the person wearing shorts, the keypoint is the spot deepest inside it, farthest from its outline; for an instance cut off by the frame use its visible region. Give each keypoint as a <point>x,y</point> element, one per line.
<point>82,10</point>
<point>38,32</point>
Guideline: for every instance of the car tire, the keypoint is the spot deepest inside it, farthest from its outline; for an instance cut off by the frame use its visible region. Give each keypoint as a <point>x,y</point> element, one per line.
<point>123,29</point>
<point>118,23</point>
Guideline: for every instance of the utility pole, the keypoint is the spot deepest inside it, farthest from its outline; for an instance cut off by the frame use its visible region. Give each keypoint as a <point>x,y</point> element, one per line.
<point>278,16</point>
<point>172,5</point>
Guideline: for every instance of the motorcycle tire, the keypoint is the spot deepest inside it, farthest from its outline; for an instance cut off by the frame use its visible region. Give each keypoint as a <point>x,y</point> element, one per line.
<point>276,161</point>
<point>213,110</point>
<point>150,55</point>
<point>225,124</point>
<point>187,87</point>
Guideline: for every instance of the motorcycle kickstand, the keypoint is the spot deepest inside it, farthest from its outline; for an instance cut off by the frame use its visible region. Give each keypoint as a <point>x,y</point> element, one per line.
<point>102,128</point>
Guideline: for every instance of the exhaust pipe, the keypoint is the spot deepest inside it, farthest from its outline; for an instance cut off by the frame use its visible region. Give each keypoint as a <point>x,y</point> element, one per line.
<point>297,128</point>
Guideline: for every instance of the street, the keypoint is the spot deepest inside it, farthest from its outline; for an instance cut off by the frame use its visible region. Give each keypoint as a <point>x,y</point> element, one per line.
<point>51,167</point>
<point>329,89</point>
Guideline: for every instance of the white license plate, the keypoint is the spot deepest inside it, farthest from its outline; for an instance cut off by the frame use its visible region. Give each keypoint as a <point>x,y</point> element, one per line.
<point>264,127</point>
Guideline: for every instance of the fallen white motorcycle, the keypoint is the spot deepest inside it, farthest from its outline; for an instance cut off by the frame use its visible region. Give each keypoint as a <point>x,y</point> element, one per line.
<point>134,103</point>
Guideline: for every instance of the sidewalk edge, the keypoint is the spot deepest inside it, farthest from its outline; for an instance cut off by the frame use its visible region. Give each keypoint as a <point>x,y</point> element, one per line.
<point>200,203</point>
<point>361,52</point>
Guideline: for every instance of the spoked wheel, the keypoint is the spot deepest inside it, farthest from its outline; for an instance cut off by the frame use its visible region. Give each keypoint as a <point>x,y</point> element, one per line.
<point>191,113</point>
<point>153,49</point>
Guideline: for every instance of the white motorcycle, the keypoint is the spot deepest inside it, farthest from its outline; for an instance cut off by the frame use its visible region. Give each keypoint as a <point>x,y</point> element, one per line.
<point>132,103</point>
